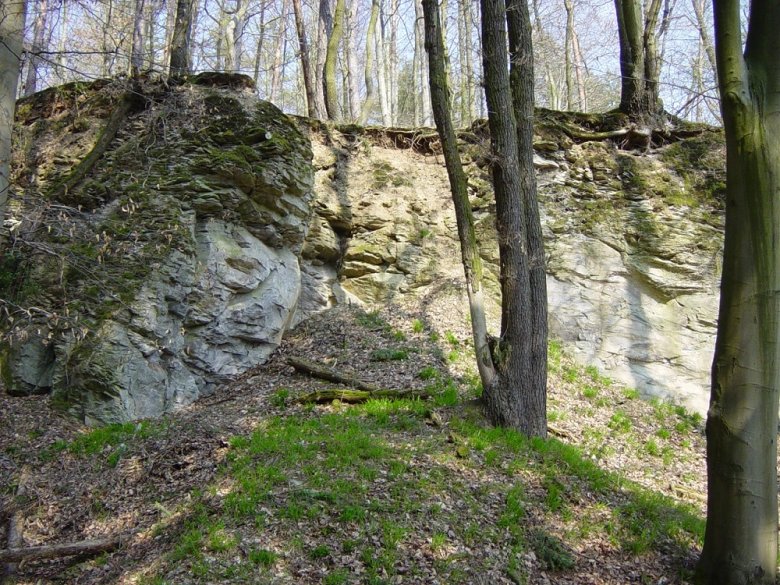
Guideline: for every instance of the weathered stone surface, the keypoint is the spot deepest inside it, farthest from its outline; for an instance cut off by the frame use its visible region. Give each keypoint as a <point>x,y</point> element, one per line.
<point>633,258</point>
<point>187,271</point>
<point>204,244</point>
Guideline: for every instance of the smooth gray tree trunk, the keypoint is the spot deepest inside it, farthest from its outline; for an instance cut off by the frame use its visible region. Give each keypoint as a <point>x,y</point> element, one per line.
<point>12,13</point>
<point>740,543</point>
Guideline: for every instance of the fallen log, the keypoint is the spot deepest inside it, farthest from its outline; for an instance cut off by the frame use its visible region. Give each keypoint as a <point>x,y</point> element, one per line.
<point>356,396</point>
<point>324,372</point>
<point>91,547</point>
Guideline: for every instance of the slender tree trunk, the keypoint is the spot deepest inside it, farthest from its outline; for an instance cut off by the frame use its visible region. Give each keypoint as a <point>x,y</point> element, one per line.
<point>276,68</point>
<point>381,69</point>
<point>170,24</point>
<point>514,399</point>
<point>62,72</point>
<point>149,18</point>
<point>180,39</point>
<point>463,78</point>
<point>350,59</point>
<point>39,39</point>
<point>329,71</point>
<point>259,47</point>
<point>422,110</point>
<point>704,33</point>
<point>740,542</point>
<point>107,48</point>
<point>472,263</point>
<point>137,51</point>
<point>392,62</point>
<point>567,51</point>
<point>579,72</point>
<point>306,69</point>
<point>237,27</point>
<point>368,104</point>
<point>12,13</point>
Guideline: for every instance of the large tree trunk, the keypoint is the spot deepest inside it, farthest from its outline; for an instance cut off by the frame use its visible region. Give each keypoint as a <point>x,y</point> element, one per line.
<point>632,56</point>
<point>324,30</point>
<point>639,61</point>
<point>39,40</point>
<point>515,399</point>
<point>180,39</point>
<point>329,70</point>
<point>740,544</point>
<point>534,379</point>
<point>308,74</point>
<point>472,263</point>
<point>11,36</point>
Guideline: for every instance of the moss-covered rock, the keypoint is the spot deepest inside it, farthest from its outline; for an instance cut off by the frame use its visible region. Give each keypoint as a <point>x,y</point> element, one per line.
<point>171,264</point>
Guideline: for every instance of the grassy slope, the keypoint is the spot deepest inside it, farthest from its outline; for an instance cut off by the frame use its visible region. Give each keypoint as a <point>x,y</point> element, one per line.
<point>265,490</point>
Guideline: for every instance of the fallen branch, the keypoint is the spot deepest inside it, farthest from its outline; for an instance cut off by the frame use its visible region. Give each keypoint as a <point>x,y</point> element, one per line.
<point>356,396</point>
<point>324,372</point>
<point>91,547</point>
<point>15,523</point>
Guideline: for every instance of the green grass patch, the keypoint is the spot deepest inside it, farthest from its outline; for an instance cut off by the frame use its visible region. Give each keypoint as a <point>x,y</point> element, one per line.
<point>389,355</point>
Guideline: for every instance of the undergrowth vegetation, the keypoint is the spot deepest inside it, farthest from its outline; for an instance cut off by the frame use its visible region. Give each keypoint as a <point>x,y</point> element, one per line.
<point>423,491</point>
<point>384,492</point>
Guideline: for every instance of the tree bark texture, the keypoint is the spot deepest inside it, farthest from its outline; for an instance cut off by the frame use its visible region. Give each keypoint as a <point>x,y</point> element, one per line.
<point>368,104</point>
<point>740,544</point>
<point>137,51</point>
<point>52,551</point>
<point>180,39</point>
<point>514,399</point>
<point>522,85</point>
<point>324,29</point>
<point>472,263</point>
<point>329,71</point>
<point>12,13</point>
<point>308,73</point>
<point>639,63</point>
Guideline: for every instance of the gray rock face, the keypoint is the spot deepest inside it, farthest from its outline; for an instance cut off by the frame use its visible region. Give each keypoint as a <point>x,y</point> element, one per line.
<point>188,253</point>
<point>633,259</point>
<point>195,276</point>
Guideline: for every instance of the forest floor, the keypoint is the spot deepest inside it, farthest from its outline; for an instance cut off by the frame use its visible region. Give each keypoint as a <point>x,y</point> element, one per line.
<point>250,486</point>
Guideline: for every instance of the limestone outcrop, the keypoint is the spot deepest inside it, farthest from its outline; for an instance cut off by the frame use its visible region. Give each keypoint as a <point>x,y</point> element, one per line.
<point>174,263</point>
<point>166,236</point>
<point>633,243</point>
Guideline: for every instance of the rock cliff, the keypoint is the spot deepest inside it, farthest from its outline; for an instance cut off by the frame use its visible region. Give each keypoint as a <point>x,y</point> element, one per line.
<point>633,240</point>
<point>165,238</point>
